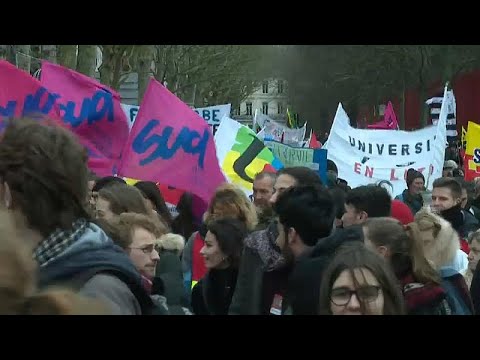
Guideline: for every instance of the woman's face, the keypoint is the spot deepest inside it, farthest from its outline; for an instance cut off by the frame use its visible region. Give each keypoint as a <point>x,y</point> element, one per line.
<point>346,297</point>
<point>102,210</point>
<point>212,254</point>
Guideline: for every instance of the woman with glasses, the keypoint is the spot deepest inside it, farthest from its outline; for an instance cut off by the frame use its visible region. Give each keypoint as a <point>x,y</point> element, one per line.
<point>420,282</point>
<point>359,282</point>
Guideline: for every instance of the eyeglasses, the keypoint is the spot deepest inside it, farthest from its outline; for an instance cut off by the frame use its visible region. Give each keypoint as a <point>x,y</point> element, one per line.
<point>145,249</point>
<point>342,296</point>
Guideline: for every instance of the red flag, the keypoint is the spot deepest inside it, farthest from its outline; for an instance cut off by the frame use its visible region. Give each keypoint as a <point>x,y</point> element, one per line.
<point>314,143</point>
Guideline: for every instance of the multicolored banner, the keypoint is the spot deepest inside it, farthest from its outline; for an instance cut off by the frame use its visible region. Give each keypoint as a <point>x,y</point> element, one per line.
<point>170,144</point>
<point>241,154</point>
<point>472,152</point>
<point>92,111</point>
<point>315,159</point>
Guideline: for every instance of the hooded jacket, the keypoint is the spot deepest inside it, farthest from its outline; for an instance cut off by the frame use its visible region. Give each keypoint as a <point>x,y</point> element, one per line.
<point>114,280</point>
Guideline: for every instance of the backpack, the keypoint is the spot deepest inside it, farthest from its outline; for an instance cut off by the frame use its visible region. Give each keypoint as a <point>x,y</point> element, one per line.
<point>458,302</point>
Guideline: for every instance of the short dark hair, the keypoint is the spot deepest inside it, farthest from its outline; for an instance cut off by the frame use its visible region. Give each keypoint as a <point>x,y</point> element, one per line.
<point>45,168</point>
<point>331,166</point>
<point>309,210</point>
<point>356,256</point>
<point>450,183</point>
<point>373,199</point>
<point>338,195</point>
<point>106,181</point>
<point>150,191</point>
<point>123,198</point>
<point>230,234</point>
<point>264,174</point>
<point>302,175</point>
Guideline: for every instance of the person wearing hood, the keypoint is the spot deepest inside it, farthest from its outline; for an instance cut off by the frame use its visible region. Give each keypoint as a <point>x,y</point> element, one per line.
<point>446,201</point>
<point>43,183</point>
<point>411,196</point>
<point>262,261</point>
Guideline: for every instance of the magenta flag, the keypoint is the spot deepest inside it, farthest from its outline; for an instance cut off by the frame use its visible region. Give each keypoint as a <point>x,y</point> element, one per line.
<point>93,112</point>
<point>171,144</point>
<point>389,121</point>
<point>23,95</point>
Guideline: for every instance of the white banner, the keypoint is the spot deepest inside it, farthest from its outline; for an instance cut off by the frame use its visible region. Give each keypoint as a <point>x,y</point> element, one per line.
<point>294,137</point>
<point>211,114</point>
<point>370,156</point>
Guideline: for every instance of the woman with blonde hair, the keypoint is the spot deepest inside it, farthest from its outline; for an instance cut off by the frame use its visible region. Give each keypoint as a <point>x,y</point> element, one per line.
<point>441,246</point>
<point>229,201</point>
<point>420,282</point>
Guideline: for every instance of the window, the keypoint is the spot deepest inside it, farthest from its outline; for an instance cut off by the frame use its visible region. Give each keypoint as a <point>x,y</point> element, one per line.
<point>249,108</point>
<point>280,108</point>
<point>237,110</point>
<point>265,87</point>
<point>280,87</point>
<point>265,108</point>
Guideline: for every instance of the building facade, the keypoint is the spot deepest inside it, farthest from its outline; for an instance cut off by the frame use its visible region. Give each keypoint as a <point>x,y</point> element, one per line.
<point>271,98</point>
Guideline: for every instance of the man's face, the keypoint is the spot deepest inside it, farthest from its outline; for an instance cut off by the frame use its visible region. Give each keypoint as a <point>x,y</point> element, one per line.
<point>442,199</point>
<point>283,183</point>
<point>262,192</point>
<point>417,186</point>
<point>464,198</point>
<point>473,255</point>
<point>143,253</point>
<point>352,216</point>
<point>282,242</point>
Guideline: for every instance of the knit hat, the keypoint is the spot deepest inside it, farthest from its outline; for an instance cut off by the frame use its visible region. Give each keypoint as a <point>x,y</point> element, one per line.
<point>401,212</point>
<point>450,164</point>
<point>412,175</point>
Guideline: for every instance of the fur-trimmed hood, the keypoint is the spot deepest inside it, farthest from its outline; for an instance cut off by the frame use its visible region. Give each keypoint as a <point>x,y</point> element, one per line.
<point>173,242</point>
<point>440,250</point>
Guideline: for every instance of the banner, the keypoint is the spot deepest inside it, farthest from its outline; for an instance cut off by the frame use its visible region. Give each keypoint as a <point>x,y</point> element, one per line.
<point>23,95</point>
<point>92,111</point>
<point>294,137</point>
<point>212,114</point>
<point>366,156</point>
<point>435,104</point>
<point>131,112</point>
<point>472,152</point>
<point>389,121</point>
<point>315,159</point>
<point>169,143</point>
<point>241,154</point>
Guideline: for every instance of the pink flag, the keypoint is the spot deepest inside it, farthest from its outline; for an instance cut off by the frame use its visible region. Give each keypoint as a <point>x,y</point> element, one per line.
<point>23,95</point>
<point>171,144</point>
<point>93,112</point>
<point>389,121</point>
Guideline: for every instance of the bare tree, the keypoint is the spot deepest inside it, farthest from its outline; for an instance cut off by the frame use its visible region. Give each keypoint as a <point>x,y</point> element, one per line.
<point>116,66</point>
<point>67,56</point>
<point>49,53</point>
<point>23,58</point>
<point>144,65</point>
<point>86,60</point>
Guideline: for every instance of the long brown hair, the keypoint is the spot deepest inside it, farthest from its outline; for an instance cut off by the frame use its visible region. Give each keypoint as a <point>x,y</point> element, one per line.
<point>356,256</point>
<point>18,292</point>
<point>406,251</point>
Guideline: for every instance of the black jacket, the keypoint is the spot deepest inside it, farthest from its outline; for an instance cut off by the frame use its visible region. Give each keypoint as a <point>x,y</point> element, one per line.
<point>213,294</point>
<point>303,290</point>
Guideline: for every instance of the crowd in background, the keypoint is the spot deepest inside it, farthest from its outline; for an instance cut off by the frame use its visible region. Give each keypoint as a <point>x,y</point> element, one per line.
<point>297,247</point>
